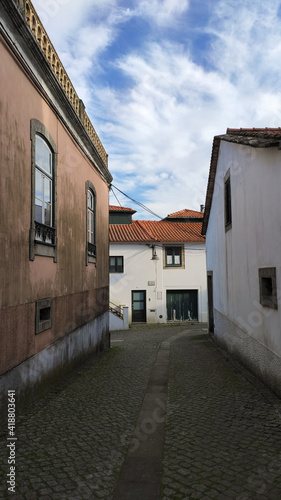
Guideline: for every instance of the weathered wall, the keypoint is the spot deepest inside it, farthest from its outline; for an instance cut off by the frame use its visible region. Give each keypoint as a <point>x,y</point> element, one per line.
<point>79,291</point>
<point>254,355</point>
<point>235,256</point>
<point>33,377</point>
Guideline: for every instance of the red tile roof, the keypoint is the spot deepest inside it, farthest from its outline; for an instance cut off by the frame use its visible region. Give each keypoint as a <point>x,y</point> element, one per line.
<point>186,213</point>
<point>254,137</point>
<point>261,132</point>
<point>156,231</point>
<point>115,208</point>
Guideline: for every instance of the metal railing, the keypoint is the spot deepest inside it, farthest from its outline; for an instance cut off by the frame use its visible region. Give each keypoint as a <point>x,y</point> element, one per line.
<point>117,310</point>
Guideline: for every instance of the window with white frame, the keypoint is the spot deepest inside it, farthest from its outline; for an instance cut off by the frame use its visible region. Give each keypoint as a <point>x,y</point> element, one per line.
<point>42,239</point>
<point>91,217</point>
<point>43,182</point>
<point>91,223</point>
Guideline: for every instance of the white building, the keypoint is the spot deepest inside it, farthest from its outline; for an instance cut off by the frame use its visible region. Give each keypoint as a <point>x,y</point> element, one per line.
<point>242,223</point>
<point>158,268</point>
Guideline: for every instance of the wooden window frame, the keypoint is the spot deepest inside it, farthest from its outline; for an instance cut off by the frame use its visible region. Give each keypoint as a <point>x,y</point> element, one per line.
<point>173,265</point>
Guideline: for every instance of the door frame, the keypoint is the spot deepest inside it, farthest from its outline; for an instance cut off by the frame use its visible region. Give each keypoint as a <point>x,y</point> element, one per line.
<point>210,301</point>
<point>182,291</point>
<point>145,314</point>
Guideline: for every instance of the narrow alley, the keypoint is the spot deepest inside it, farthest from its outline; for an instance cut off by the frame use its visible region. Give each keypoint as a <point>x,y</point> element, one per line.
<point>165,414</point>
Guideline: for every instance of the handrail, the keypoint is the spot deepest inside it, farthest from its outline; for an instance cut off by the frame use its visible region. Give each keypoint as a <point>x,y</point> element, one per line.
<point>118,310</point>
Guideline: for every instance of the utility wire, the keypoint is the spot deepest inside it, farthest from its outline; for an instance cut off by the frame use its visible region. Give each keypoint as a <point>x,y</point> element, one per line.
<point>115,196</point>
<point>137,202</point>
<point>142,206</point>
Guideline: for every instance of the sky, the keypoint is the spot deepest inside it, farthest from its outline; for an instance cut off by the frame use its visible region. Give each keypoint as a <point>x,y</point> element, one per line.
<point>161,78</point>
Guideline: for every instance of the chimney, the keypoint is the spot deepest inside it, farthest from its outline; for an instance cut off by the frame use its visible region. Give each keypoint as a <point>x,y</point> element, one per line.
<point>202,208</point>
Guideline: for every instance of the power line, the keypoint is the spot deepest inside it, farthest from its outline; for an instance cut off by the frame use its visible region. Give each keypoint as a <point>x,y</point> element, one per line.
<point>144,207</point>
<point>115,196</point>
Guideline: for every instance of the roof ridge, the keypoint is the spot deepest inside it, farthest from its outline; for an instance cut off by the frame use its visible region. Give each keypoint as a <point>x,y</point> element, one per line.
<point>245,129</point>
<point>145,230</point>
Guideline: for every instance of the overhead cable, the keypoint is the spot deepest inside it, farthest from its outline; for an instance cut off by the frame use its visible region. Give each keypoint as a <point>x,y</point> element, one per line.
<point>144,207</point>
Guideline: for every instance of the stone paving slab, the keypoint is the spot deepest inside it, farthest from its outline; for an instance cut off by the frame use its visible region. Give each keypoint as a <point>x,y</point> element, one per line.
<point>71,444</point>
<point>222,429</point>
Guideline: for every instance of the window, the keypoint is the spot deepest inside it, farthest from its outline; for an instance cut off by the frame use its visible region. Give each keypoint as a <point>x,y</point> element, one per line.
<point>268,290</point>
<point>43,319</point>
<point>42,240</point>
<point>43,185</point>
<point>173,256</point>
<point>227,202</point>
<point>116,265</point>
<point>91,223</point>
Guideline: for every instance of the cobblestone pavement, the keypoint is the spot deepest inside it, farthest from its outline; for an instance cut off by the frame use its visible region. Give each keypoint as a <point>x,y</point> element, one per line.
<point>223,428</point>
<point>222,432</point>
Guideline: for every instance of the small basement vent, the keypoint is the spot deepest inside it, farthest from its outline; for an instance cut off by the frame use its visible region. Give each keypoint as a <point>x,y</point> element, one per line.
<point>43,319</point>
<point>268,288</point>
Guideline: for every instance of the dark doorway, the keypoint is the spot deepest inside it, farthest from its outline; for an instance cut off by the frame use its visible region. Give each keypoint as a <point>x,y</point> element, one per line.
<point>138,306</point>
<point>210,301</point>
<point>182,305</point>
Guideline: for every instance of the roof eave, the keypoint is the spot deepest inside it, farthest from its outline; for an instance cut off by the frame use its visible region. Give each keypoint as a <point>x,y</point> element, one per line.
<point>211,182</point>
<point>255,141</point>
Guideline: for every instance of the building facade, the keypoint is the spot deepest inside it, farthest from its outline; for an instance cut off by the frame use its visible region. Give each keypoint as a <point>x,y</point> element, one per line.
<point>243,237</point>
<point>158,268</point>
<point>54,213</point>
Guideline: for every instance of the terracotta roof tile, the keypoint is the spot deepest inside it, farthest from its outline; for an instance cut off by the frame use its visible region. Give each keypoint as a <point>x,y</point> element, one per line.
<point>116,208</point>
<point>186,213</point>
<point>261,132</point>
<point>156,231</point>
<point>128,232</point>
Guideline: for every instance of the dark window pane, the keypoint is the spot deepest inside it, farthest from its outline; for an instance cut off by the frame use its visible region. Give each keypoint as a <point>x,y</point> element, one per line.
<point>227,194</point>
<point>115,264</point>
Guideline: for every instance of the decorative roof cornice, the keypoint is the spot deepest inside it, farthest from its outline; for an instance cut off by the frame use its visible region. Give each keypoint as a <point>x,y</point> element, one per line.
<point>48,64</point>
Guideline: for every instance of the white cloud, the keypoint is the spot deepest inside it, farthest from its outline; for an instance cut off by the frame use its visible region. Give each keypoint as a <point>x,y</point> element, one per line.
<point>158,129</point>
<point>162,12</point>
<point>174,109</point>
<point>61,17</point>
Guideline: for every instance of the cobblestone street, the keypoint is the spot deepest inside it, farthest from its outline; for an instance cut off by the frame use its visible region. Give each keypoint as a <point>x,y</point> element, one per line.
<point>165,414</point>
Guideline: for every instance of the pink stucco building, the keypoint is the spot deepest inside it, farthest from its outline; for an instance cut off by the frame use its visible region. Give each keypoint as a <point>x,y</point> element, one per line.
<point>54,213</point>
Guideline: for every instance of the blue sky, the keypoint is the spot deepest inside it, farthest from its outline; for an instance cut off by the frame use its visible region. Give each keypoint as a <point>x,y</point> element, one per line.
<point>160,78</point>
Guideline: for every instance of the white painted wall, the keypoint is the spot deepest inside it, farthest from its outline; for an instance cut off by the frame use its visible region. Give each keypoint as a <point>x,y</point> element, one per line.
<point>253,242</point>
<point>139,269</point>
<point>117,323</point>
